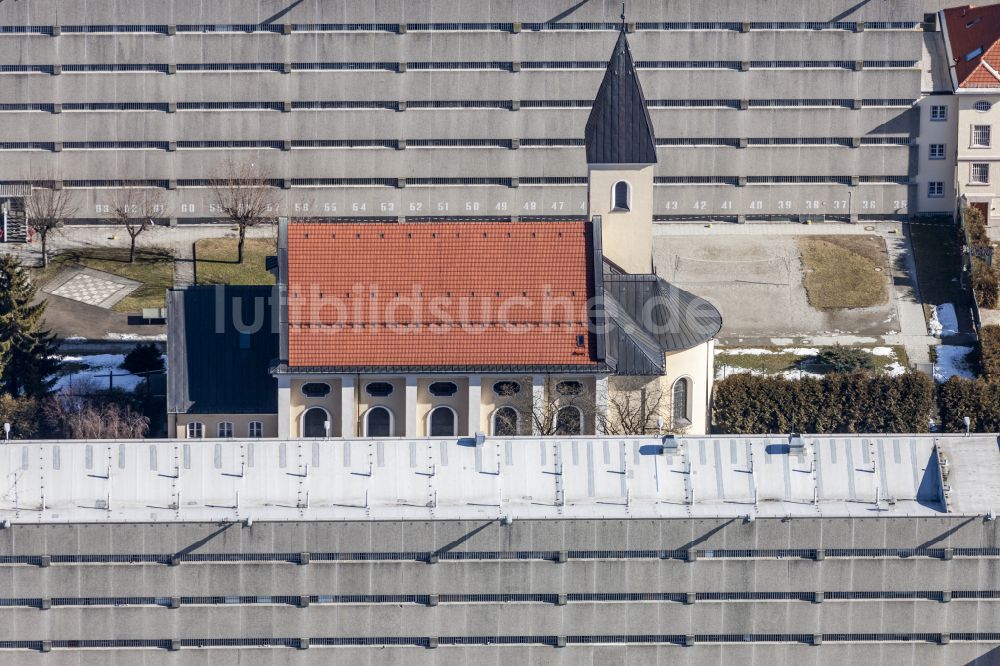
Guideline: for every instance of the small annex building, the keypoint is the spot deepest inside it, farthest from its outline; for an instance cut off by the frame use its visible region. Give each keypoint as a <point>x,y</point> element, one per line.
<point>505,326</point>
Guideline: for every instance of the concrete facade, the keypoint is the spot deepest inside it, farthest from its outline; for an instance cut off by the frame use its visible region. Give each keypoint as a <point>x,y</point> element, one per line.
<point>883,548</point>
<point>792,109</point>
<point>609,602</point>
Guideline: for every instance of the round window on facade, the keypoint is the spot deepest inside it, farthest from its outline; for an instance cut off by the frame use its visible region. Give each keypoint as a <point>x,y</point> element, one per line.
<point>316,390</point>
<point>443,389</point>
<point>571,387</point>
<point>983,105</point>
<point>506,388</point>
<point>379,389</point>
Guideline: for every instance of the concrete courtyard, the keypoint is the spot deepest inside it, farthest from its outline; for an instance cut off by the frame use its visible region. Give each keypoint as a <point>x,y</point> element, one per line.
<point>753,274</point>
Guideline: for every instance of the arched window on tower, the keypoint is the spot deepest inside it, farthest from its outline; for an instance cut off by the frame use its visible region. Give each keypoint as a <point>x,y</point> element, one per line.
<point>622,196</point>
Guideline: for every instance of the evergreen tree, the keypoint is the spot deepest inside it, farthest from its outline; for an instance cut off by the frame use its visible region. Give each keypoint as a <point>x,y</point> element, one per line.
<point>27,363</point>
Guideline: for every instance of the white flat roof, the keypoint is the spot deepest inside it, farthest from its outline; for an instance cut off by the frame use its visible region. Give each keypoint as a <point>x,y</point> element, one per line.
<point>527,478</point>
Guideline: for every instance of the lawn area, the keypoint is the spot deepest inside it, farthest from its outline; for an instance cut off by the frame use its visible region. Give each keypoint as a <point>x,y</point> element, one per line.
<point>153,266</point>
<point>796,362</point>
<point>217,261</point>
<point>937,254</point>
<point>844,271</point>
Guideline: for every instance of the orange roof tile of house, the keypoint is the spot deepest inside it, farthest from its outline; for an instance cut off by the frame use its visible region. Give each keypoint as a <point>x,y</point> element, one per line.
<point>387,295</point>
<point>974,38</point>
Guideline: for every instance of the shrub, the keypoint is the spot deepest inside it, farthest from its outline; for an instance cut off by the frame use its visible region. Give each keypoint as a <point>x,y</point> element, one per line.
<point>975,227</point>
<point>989,352</point>
<point>846,359</point>
<point>143,358</point>
<point>975,398</point>
<point>985,284</point>
<point>23,415</point>
<point>837,403</point>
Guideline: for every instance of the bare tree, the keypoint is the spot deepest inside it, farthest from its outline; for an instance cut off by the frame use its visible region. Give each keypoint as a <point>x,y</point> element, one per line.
<point>47,209</point>
<point>635,406</point>
<point>79,414</point>
<point>243,193</point>
<point>136,209</point>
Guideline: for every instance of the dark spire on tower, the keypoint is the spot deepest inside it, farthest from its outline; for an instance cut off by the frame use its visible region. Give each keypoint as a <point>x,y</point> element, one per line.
<point>619,130</point>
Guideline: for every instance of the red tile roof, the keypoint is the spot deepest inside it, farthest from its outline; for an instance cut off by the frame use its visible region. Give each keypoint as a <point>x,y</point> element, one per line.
<point>969,29</point>
<point>438,294</point>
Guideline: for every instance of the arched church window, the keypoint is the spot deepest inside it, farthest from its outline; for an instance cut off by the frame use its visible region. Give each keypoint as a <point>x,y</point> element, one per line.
<point>682,402</point>
<point>622,196</point>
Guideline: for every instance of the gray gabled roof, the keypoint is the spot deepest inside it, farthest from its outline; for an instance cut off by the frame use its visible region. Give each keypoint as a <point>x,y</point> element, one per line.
<point>648,317</point>
<point>214,368</point>
<point>619,130</point>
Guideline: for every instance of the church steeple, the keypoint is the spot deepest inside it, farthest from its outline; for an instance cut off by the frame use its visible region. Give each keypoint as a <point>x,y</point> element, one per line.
<point>619,130</point>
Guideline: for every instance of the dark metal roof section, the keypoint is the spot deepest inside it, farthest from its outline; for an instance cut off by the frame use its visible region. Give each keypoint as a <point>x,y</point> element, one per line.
<point>648,317</point>
<point>220,343</point>
<point>619,130</point>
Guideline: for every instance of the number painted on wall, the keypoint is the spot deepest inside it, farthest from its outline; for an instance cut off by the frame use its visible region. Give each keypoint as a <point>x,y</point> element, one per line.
<point>416,206</point>
<point>329,208</point>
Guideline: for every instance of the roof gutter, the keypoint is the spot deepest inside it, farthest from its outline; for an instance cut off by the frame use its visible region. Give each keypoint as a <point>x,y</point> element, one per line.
<point>281,289</point>
<point>598,315</point>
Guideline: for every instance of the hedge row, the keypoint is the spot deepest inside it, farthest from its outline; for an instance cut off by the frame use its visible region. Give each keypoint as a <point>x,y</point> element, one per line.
<point>976,398</point>
<point>989,352</point>
<point>836,403</point>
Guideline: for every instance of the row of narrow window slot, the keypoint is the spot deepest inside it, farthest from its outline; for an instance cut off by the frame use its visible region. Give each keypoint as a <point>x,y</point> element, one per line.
<point>515,555</point>
<point>508,105</point>
<point>485,181</point>
<point>542,598</point>
<point>164,29</point>
<point>439,143</point>
<point>509,66</point>
<point>555,641</point>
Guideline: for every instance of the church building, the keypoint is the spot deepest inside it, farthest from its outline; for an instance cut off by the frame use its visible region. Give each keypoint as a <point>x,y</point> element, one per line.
<point>503,326</point>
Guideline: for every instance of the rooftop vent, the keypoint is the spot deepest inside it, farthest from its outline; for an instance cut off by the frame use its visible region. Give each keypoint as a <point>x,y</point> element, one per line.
<point>670,444</point>
<point>795,443</point>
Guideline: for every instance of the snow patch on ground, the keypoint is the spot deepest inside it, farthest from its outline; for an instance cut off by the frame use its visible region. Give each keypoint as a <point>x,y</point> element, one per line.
<point>135,336</point>
<point>802,351</point>
<point>754,351</point>
<point>953,361</point>
<point>943,320</point>
<point>95,375</point>
<point>894,369</point>
<point>882,351</point>
<point>722,371</point>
